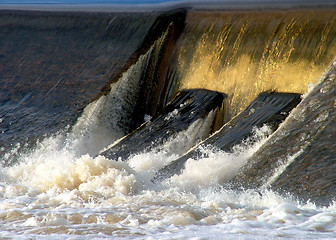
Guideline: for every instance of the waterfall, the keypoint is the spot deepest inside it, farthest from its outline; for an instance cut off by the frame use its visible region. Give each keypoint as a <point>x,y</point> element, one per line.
<point>243,53</point>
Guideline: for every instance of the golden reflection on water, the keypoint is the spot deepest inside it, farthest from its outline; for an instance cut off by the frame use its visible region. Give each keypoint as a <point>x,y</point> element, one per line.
<point>245,53</point>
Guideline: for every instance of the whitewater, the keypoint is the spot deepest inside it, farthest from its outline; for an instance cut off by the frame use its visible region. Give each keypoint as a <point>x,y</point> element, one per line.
<point>57,180</point>
<point>53,194</point>
<point>56,192</point>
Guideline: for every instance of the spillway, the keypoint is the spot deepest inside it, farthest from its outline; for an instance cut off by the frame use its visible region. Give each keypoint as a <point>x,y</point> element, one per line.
<point>243,53</point>
<point>179,122</point>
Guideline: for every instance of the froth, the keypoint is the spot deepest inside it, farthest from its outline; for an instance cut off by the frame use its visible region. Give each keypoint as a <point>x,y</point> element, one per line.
<point>83,196</point>
<point>217,167</point>
<point>107,119</point>
<point>175,146</point>
<point>97,176</point>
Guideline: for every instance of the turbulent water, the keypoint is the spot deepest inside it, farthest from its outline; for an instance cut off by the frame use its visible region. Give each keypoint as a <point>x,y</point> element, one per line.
<point>54,194</point>
<point>59,187</point>
<point>245,52</point>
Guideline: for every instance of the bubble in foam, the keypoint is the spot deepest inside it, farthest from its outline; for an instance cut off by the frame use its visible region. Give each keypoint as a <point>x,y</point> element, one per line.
<point>99,176</point>
<point>110,177</point>
<point>216,166</point>
<point>178,144</point>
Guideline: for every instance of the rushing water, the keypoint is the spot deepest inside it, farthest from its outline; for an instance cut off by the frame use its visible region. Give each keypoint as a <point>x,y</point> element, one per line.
<point>54,194</point>
<point>59,188</point>
<point>243,53</point>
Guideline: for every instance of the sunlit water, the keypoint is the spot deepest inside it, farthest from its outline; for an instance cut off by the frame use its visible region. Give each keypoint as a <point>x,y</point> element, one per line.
<point>54,194</point>
<point>56,191</point>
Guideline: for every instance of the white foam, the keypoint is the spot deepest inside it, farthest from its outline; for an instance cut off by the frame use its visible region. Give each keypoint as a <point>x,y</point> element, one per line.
<point>54,193</point>
<point>85,196</point>
<point>178,144</point>
<point>98,175</point>
<point>107,119</point>
<point>218,167</point>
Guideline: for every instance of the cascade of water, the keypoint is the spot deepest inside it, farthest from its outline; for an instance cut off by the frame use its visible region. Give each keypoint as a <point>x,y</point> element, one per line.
<point>112,116</point>
<point>108,118</point>
<point>243,53</point>
<point>299,156</point>
<point>57,193</point>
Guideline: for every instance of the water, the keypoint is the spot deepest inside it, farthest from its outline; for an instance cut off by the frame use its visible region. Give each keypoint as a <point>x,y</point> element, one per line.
<point>60,189</point>
<point>243,53</point>
<point>54,194</point>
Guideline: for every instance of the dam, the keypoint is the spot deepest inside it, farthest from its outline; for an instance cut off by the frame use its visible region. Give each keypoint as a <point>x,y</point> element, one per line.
<point>177,122</point>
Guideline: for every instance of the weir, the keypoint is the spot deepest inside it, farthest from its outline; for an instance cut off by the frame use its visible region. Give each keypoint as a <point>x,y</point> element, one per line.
<point>268,109</point>
<point>115,114</point>
<point>197,108</point>
<point>300,157</point>
<point>68,70</point>
<point>55,63</point>
<point>243,53</point>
